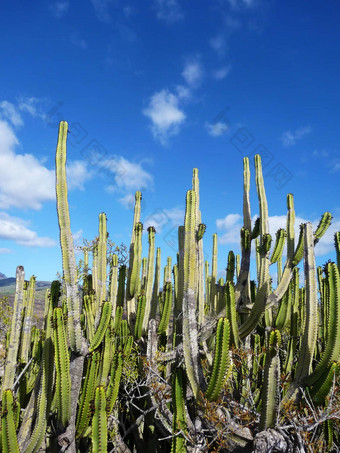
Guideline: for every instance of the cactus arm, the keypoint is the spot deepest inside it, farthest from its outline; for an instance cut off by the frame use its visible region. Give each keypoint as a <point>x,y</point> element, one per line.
<point>179,417</point>
<point>66,242</point>
<point>189,323</point>
<point>323,226</point>
<point>99,422</point>
<point>149,277</point>
<point>309,335</point>
<point>62,364</point>
<point>290,227</point>
<point>114,283</point>
<point>156,283</point>
<point>140,316</point>
<point>213,293</point>
<point>113,387</point>
<point>256,312</point>
<point>231,313</point>
<point>337,247</point>
<point>27,323</point>
<point>87,394</point>
<point>101,266</point>
<point>271,383</point>
<point>104,321</point>
<point>279,244</point>
<point>11,357</point>
<point>322,387</point>
<point>164,322</point>
<point>221,362</point>
<point>332,350</point>
<point>9,435</point>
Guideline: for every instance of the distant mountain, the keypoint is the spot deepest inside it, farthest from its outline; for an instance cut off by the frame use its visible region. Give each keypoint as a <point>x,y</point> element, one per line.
<point>2,276</point>
<point>7,281</point>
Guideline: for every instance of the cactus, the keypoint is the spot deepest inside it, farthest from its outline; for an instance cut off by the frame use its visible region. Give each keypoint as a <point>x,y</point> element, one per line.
<point>104,321</point>
<point>271,383</point>
<point>62,365</point>
<point>9,436</point>
<point>222,362</point>
<point>99,422</point>
<point>66,242</point>
<point>179,417</point>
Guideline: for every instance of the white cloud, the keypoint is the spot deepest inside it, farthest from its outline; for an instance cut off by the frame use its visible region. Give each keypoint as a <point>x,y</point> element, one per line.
<point>193,72</point>
<point>10,113</point>
<point>59,9</point>
<point>231,224</point>
<point>77,174</point>
<point>168,10</point>
<point>217,129</point>
<point>220,74</point>
<point>24,181</point>
<point>165,115</point>
<point>165,218</point>
<point>128,176</point>
<point>5,250</point>
<point>15,229</point>
<point>290,137</point>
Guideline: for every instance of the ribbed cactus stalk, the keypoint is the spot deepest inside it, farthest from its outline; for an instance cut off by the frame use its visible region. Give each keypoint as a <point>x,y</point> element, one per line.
<point>141,302</point>
<point>114,282</point>
<point>113,387</point>
<point>99,422</point>
<point>104,321</point>
<point>27,323</point>
<point>222,360</point>
<point>87,394</point>
<point>134,273</point>
<point>213,292</point>
<point>66,242</point>
<point>167,308</point>
<point>155,290</point>
<point>9,435</point>
<point>179,416</point>
<point>271,383</point>
<point>309,335</point>
<point>62,365</point>
<point>332,351</point>
<point>149,277</point>
<point>189,307</point>
<point>11,357</point>
<point>102,266</point>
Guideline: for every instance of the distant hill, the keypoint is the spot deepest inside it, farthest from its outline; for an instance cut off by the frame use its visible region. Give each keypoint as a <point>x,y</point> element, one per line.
<point>2,276</point>
<point>7,288</point>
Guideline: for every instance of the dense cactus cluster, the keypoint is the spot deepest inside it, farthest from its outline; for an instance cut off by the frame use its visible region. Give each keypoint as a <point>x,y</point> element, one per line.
<point>200,365</point>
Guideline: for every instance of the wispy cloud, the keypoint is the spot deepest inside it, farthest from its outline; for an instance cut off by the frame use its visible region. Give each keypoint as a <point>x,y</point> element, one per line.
<point>289,138</point>
<point>241,4</point>
<point>5,250</point>
<point>220,74</point>
<point>165,114</point>
<point>16,229</point>
<point>101,9</point>
<point>59,9</point>
<point>77,41</point>
<point>128,176</point>
<point>193,72</point>
<point>168,10</point>
<point>9,112</point>
<point>217,129</point>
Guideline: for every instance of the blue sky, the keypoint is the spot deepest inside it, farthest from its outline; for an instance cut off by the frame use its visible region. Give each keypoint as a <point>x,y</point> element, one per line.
<point>151,90</point>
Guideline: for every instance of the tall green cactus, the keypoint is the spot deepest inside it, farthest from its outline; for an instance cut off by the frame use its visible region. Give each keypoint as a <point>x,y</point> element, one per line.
<point>66,242</point>
<point>9,435</point>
